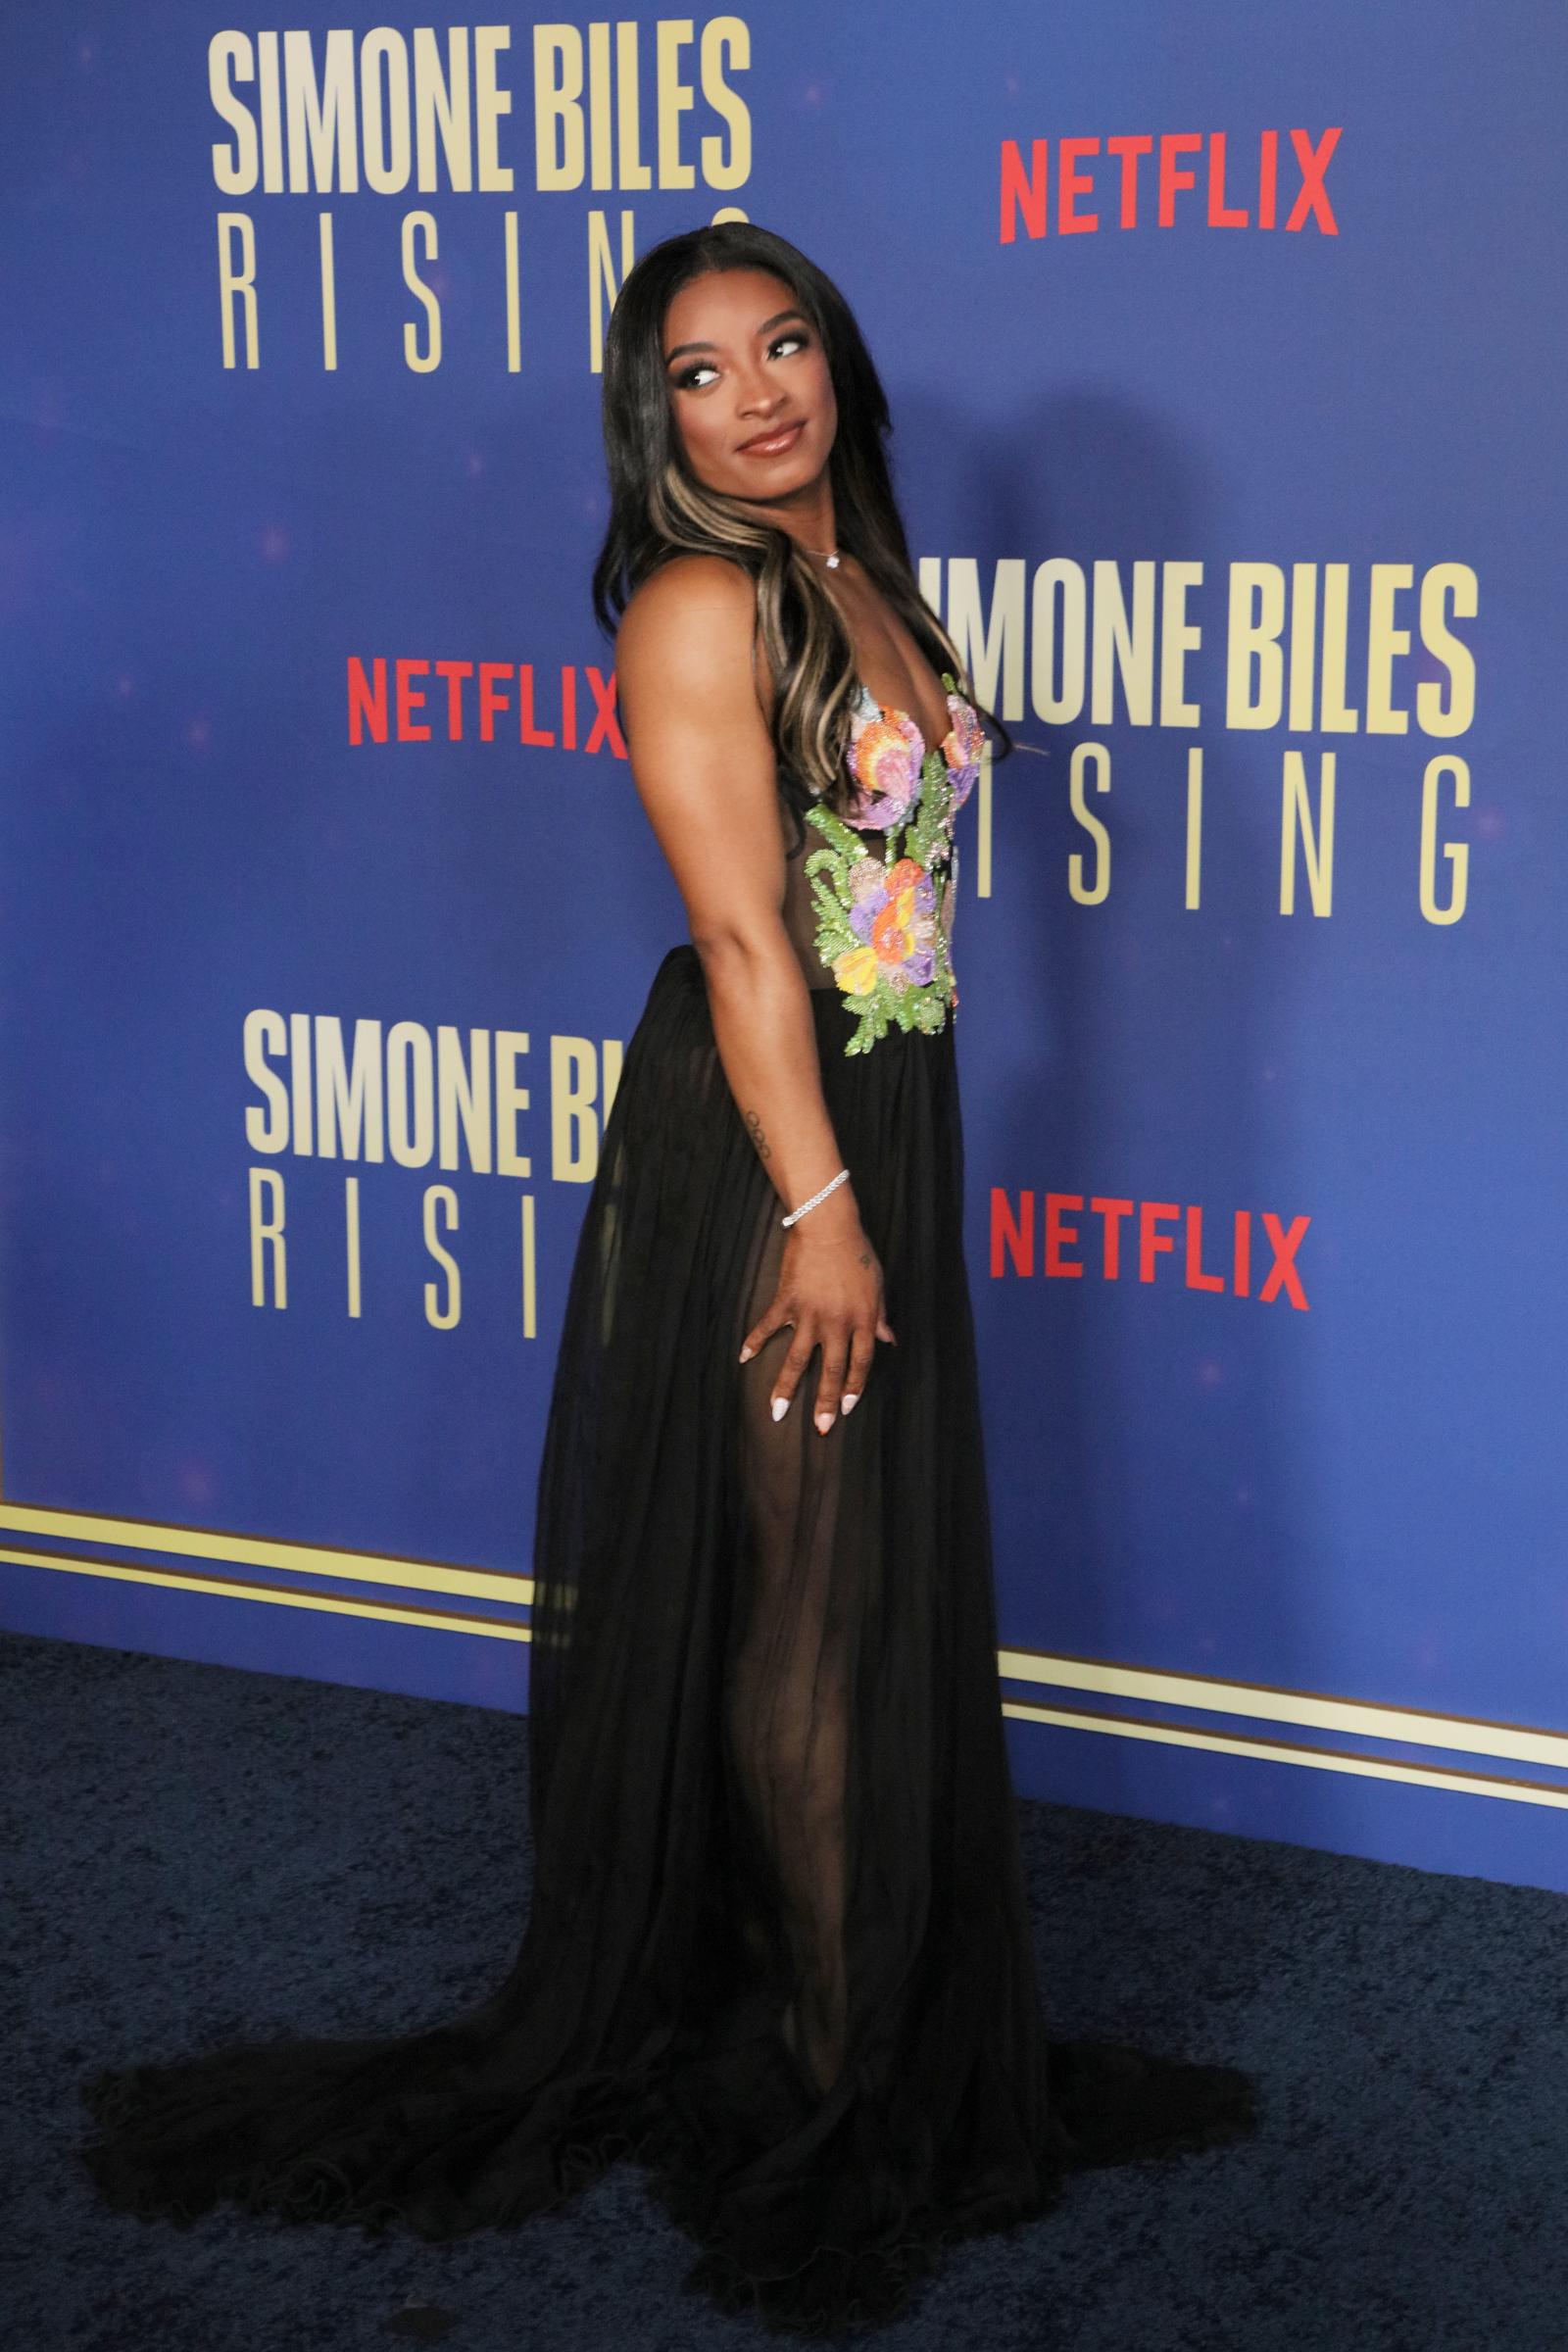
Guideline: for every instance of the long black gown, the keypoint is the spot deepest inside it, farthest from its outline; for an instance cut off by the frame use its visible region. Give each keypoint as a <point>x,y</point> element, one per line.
<point>778,1949</point>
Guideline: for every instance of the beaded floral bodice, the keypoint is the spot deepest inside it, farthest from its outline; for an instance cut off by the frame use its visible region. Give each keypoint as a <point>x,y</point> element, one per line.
<point>884,922</point>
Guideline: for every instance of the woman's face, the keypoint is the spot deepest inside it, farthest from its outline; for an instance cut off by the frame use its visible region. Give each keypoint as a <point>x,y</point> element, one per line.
<point>741,364</point>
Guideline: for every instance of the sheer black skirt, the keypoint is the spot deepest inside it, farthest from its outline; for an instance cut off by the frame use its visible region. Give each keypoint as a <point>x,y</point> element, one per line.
<point>778,1949</point>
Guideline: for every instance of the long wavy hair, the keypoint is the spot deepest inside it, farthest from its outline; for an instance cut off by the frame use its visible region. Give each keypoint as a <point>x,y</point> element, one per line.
<point>659,509</point>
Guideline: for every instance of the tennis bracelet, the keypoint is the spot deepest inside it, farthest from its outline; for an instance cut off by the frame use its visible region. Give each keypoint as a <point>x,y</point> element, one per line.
<point>815,1197</point>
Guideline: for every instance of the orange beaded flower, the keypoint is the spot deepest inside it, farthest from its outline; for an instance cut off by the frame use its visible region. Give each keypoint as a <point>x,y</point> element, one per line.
<point>884,758</point>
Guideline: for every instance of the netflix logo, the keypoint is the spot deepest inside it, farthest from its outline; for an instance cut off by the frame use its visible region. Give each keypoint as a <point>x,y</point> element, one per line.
<point>1141,179</point>
<point>419,701</point>
<point>1252,1257</point>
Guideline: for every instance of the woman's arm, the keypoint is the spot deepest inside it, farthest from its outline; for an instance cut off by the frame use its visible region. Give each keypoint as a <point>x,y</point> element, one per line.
<point>703,762</point>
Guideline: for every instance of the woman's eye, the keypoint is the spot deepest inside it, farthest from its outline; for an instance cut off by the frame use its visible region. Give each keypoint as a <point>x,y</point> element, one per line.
<point>688,381</point>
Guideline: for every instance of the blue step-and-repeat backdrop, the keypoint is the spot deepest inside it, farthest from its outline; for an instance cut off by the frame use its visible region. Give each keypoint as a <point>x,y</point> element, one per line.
<point>1225,347</point>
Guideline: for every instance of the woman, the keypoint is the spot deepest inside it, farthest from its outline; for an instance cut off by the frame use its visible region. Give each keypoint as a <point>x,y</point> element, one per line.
<point>778,1947</point>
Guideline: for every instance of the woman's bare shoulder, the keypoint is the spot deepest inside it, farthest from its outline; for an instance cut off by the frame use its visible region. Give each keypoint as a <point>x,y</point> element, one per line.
<point>690,624</point>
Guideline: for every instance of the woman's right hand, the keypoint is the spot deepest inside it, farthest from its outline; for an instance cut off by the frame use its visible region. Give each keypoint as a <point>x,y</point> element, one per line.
<point>830,1291</point>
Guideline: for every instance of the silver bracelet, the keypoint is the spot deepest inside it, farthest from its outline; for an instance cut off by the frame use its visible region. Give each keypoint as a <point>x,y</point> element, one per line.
<point>815,1197</point>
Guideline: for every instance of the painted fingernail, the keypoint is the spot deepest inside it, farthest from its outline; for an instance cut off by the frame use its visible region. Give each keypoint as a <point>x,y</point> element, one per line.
<point>825,1420</point>
<point>849,1400</point>
<point>781,1405</point>
<point>747,1353</point>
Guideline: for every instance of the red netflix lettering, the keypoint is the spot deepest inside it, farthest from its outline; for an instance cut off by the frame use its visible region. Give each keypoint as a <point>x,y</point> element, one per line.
<point>386,703</point>
<point>1066,1255</point>
<point>1024,190</point>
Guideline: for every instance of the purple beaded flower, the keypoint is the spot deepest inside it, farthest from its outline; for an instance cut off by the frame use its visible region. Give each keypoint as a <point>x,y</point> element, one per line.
<point>892,914</point>
<point>962,749</point>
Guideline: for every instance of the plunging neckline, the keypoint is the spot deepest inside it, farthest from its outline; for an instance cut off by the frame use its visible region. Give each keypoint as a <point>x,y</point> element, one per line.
<point>894,711</point>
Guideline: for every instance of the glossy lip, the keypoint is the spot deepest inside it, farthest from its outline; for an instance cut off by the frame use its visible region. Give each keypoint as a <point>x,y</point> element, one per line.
<point>773,445</point>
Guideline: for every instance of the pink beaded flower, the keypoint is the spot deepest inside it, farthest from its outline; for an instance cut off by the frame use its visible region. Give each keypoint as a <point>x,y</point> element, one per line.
<point>962,749</point>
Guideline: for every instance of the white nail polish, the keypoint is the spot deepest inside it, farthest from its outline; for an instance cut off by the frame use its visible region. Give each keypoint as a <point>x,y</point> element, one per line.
<point>747,1353</point>
<point>825,1421</point>
<point>850,1399</point>
<point>781,1405</point>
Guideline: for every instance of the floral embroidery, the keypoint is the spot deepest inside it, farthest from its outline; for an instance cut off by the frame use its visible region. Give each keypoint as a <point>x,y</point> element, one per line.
<point>884,758</point>
<point>880,927</point>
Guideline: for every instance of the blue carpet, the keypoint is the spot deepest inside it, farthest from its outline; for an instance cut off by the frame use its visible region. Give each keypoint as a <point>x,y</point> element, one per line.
<point>197,1855</point>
